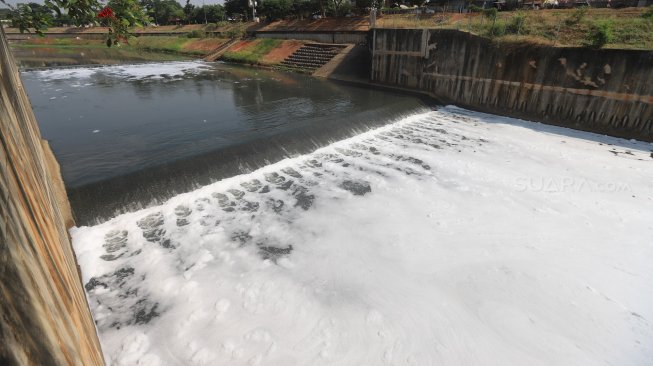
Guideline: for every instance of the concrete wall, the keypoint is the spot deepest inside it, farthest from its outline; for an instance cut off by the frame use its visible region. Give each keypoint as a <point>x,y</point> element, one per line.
<point>604,91</point>
<point>44,315</point>
<point>322,37</point>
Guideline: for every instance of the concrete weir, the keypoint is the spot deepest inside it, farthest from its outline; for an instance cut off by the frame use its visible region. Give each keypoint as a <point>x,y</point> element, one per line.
<point>44,315</point>
<point>604,91</point>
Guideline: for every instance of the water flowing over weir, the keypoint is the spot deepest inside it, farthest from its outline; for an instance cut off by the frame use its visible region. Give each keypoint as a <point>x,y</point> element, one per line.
<point>130,136</point>
<point>437,239</point>
<point>328,225</point>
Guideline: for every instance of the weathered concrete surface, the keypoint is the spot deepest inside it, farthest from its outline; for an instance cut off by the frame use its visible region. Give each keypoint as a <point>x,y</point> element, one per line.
<point>603,91</point>
<point>351,64</point>
<point>44,316</point>
<point>322,37</point>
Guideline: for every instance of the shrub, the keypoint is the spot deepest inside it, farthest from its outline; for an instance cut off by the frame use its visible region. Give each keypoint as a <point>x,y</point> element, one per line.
<point>600,33</point>
<point>648,14</point>
<point>516,25</point>
<point>196,34</point>
<point>577,16</point>
<point>237,31</point>
<point>489,12</point>
<point>497,29</point>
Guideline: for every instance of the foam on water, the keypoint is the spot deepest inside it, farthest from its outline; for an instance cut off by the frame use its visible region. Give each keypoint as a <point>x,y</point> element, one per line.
<point>146,71</point>
<point>447,238</point>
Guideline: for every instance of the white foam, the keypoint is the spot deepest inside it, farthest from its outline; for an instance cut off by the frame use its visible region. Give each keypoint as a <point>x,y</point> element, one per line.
<point>153,71</point>
<point>483,241</point>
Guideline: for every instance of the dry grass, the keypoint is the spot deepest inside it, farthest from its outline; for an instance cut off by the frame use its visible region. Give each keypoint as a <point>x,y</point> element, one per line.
<point>561,27</point>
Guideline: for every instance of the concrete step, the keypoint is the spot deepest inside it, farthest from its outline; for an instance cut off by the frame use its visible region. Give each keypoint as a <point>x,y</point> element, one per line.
<point>311,56</point>
<point>300,65</point>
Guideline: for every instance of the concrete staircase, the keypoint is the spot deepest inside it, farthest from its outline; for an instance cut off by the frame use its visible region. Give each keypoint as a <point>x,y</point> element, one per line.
<point>312,56</point>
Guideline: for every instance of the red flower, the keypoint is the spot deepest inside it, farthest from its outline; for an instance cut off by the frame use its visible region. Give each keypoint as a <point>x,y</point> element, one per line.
<point>106,13</point>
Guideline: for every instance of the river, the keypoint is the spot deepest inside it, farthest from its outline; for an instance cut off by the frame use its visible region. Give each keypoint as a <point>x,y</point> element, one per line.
<point>286,220</point>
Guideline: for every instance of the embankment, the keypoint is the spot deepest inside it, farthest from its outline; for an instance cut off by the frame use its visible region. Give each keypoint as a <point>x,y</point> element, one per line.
<point>171,44</point>
<point>181,45</point>
<point>604,91</point>
<point>259,51</point>
<point>44,314</point>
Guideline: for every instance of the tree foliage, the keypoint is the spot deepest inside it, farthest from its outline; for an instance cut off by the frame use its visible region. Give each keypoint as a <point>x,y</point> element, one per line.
<point>28,17</point>
<point>206,14</point>
<point>278,9</point>
<point>130,13</point>
<point>163,12</point>
<point>237,8</point>
<point>31,16</point>
<point>275,9</point>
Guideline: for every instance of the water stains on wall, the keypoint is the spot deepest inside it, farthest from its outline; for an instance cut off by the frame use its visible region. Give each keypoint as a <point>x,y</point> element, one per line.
<point>603,91</point>
<point>44,315</point>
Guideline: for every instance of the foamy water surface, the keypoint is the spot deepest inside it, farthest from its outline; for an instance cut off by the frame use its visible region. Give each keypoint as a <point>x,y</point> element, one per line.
<point>447,238</point>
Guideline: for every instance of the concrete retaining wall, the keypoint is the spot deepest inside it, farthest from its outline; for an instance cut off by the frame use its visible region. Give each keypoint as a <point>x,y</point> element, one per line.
<point>44,315</point>
<point>322,37</point>
<point>603,91</point>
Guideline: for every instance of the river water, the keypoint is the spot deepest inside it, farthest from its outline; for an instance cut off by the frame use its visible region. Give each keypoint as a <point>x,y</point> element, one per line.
<point>331,225</point>
<point>127,136</point>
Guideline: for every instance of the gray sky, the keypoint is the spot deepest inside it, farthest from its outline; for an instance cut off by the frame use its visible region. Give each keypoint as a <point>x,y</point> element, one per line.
<point>195,2</point>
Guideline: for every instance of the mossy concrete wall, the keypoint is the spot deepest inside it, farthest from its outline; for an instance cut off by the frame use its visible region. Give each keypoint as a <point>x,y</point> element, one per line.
<point>44,315</point>
<point>603,91</point>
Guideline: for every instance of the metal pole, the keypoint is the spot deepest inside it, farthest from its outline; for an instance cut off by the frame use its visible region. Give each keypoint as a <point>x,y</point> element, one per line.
<point>204,8</point>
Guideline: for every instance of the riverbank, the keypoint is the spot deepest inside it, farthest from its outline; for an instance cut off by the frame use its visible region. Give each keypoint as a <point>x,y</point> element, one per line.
<point>176,44</point>
<point>627,28</point>
<point>598,90</point>
<point>260,52</point>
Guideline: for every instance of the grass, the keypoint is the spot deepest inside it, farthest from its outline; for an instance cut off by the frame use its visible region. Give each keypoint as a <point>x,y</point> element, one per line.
<point>160,43</point>
<point>61,43</point>
<point>252,52</point>
<point>631,28</point>
<point>183,44</point>
<point>168,44</point>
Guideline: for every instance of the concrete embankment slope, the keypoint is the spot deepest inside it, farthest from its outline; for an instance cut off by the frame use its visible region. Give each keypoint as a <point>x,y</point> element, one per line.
<point>604,91</point>
<point>44,315</point>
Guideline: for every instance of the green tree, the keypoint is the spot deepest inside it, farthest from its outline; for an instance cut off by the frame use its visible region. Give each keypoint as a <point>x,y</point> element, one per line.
<point>130,13</point>
<point>305,8</point>
<point>163,11</point>
<point>31,15</point>
<point>208,14</point>
<point>235,8</point>
<point>214,13</point>
<point>79,12</point>
<point>62,20</point>
<point>188,11</point>
<point>275,9</point>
